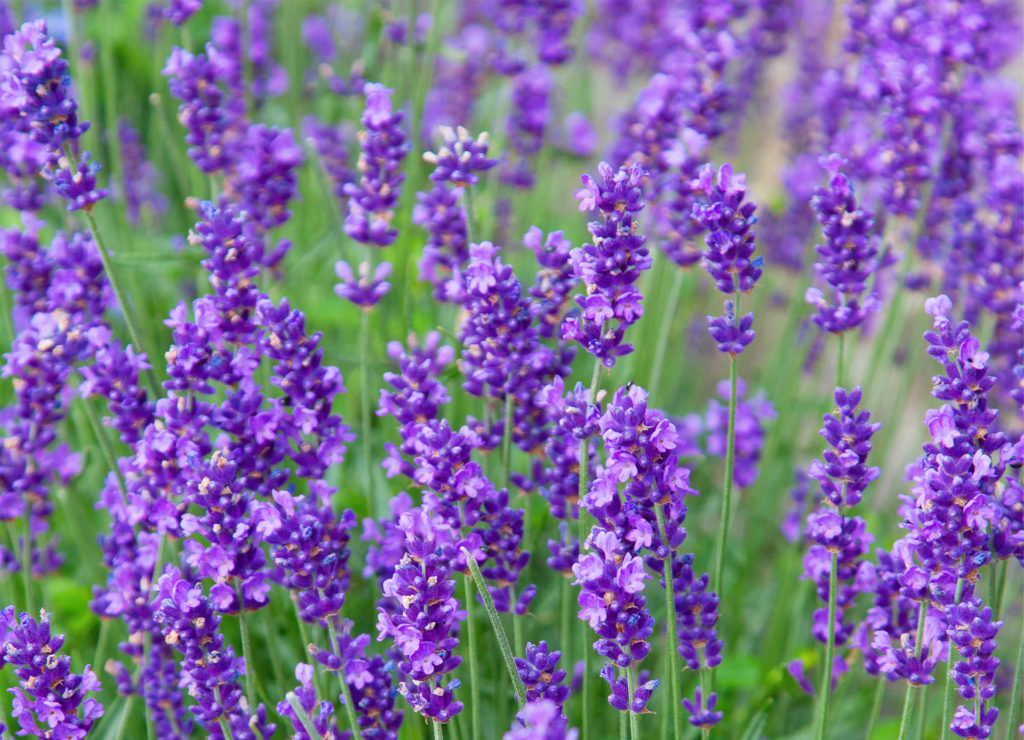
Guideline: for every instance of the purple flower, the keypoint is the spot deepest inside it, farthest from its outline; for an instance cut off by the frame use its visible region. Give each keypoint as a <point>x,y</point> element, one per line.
<point>540,719</point>
<point>424,631</point>
<point>47,689</point>
<point>460,157</point>
<point>610,267</point>
<point>384,146</point>
<point>611,580</point>
<point>703,715</point>
<point>209,668</point>
<point>581,137</point>
<point>363,291</point>
<point>446,252</point>
<point>543,680</point>
<point>848,258</point>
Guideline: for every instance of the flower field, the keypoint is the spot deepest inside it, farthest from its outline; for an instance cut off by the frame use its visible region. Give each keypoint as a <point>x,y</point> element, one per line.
<point>519,369</point>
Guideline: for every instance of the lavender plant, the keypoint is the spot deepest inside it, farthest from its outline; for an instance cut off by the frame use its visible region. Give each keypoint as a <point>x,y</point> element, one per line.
<point>209,519</point>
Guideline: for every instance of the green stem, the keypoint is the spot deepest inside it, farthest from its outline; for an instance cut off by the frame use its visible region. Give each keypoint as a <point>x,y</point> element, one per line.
<point>104,442</point>
<point>247,656</point>
<point>876,706</point>
<point>506,441</point>
<point>670,604</point>
<point>364,401</point>
<point>438,734</point>
<point>947,694</point>
<point>474,678</point>
<point>225,728</point>
<point>1018,678</point>
<point>841,359</point>
<point>130,318</point>
<point>470,216</point>
<point>705,690</point>
<point>499,631</point>
<point>26,561</point>
<point>306,642</point>
<point>908,699</point>
<point>584,473</point>
<point>666,324</point>
<point>101,643</point>
<point>1000,585</point>
<point>304,719</point>
<point>730,460</point>
<point>350,707</point>
<point>830,646</point>
<point>634,725</point>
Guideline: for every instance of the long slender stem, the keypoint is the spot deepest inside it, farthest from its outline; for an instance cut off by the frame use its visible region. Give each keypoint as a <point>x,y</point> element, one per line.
<point>730,460</point>
<point>830,645</point>
<point>667,317</point>
<point>584,474</point>
<point>876,706</point>
<point>841,359</point>
<point>705,690</point>
<point>26,561</point>
<point>130,318</point>
<point>104,442</point>
<point>908,699</point>
<point>350,707</point>
<point>247,656</point>
<point>506,441</point>
<point>634,725</point>
<point>671,648</point>
<point>470,215</point>
<point>364,402</point>
<point>304,719</point>
<point>438,734</point>
<point>499,631</point>
<point>947,694</point>
<point>474,679</point>
<point>1018,679</point>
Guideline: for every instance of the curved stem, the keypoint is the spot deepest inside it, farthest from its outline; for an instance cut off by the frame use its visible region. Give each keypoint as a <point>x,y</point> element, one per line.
<point>499,631</point>
<point>730,460</point>
<point>474,679</point>
<point>830,646</point>
<point>134,330</point>
<point>670,604</point>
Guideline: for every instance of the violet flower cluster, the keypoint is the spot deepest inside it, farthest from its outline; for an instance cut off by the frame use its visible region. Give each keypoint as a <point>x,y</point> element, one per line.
<point>729,257</point>
<point>609,267</point>
<point>373,198</point>
<point>843,475</point>
<point>425,631</point>
<point>36,99</point>
<point>848,259</point>
<point>47,691</point>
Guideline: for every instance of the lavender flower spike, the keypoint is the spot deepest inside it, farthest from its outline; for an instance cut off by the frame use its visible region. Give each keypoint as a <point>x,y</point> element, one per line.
<point>424,630</point>
<point>384,146</point>
<point>48,691</point>
<point>609,267</point>
<point>460,157</point>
